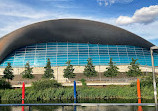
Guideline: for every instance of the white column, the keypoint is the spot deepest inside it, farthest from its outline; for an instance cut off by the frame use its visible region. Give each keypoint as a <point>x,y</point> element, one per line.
<point>154,81</point>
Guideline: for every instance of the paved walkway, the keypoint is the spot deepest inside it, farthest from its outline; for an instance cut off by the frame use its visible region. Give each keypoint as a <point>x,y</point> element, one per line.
<point>80,84</point>
<point>96,84</point>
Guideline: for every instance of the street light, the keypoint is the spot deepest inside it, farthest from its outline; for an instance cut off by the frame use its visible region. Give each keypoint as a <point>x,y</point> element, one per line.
<point>153,70</point>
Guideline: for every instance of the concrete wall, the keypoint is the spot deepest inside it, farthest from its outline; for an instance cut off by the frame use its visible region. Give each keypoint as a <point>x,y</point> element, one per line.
<point>58,71</point>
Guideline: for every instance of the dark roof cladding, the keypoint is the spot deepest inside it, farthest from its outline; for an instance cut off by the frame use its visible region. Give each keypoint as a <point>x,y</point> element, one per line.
<point>69,30</point>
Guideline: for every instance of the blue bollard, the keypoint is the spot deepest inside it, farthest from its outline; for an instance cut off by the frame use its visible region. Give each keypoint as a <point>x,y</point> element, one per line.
<point>74,90</point>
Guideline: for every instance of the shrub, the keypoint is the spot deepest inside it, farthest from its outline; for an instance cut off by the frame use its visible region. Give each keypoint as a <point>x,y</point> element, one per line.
<point>27,73</point>
<point>44,84</point>
<point>69,71</point>
<point>48,73</point>
<point>89,70</point>
<point>112,70</point>
<point>134,69</point>
<point>83,81</point>
<point>4,84</point>
<point>146,81</point>
<point>8,72</point>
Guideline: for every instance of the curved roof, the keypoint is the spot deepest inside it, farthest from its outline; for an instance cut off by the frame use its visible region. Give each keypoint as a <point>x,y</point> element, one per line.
<point>69,30</point>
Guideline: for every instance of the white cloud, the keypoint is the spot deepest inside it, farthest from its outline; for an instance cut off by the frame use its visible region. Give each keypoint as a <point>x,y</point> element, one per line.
<point>19,10</point>
<point>110,2</point>
<point>144,15</point>
<point>147,31</point>
<point>16,15</point>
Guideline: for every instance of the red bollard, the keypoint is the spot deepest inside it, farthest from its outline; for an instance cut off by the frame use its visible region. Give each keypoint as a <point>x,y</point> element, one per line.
<point>23,106</point>
<point>23,91</point>
<point>23,95</point>
<point>139,95</point>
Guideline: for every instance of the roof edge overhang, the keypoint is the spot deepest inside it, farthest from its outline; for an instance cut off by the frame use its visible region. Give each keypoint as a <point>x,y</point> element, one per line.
<point>69,30</point>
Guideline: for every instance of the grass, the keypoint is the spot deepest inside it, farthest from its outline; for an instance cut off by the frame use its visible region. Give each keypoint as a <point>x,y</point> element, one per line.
<point>62,93</point>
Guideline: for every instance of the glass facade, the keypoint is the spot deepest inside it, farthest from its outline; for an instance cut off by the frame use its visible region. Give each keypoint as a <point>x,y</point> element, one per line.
<point>78,53</point>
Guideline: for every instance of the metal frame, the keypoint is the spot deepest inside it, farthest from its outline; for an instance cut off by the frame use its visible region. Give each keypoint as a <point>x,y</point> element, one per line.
<point>82,104</point>
<point>78,54</point>
<point>153,70</point>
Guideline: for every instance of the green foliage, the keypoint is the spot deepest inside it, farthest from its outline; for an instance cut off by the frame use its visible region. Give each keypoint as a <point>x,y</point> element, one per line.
<point>44,84</point>
<point>112,70</point>
<point>11,94</point>
<point>134,69</point>
<point>62,93</point>
<point>89,70</point>
<point>4,84</point>
<point>68,72</point>
<point>8,72</point>
<point>48,73</point>
<point>50,94</point>
<point>107,92</point>
<point>83,81</point>
<point>27,73</point>
<point>146,81</point>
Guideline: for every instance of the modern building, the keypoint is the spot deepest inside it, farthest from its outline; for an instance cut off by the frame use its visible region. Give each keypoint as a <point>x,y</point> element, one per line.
<point>73,39</point>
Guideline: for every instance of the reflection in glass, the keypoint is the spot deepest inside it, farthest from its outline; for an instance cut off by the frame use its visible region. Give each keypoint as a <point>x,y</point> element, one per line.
<point>78,53</point>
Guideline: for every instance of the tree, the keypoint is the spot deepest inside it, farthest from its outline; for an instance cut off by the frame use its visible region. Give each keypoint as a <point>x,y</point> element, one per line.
<point>48,73</point>
<point>4,84</point>
<point>68,72</point>
<point>27,73</point>
<point>112,70</point>
<point>89,70</point>
<point>134,69</point>
<point>8,72</point>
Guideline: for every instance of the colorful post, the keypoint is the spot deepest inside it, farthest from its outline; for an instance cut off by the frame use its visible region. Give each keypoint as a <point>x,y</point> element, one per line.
<point>23,106</point>
<point>74,90</point>
<point>139,95</point>
<point>23,95</point>
<point>23,91</point>
<point>138,91</point>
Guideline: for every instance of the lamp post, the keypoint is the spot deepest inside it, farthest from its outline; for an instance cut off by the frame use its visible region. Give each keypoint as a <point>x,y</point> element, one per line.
<point>153,70</point>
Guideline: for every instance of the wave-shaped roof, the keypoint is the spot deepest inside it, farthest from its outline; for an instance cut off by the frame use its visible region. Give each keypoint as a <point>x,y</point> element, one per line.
<point>69,30</point>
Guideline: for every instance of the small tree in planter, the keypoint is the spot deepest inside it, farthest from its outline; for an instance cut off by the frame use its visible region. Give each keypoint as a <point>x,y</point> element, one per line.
<point>48,73</point>
<point>8,72</point>
<point>89,70</point>
<point>27,73</point>
<point>134,69</point>
<point>112,70</point>
<point>69,71</point>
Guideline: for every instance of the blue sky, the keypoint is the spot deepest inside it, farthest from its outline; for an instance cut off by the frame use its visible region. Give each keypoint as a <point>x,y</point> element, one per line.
<point>137,16</point>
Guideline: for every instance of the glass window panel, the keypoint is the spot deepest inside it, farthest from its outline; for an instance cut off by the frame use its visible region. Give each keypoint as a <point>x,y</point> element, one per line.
<point>18,64</point>
<point>41,46</point>
<point>112,46</point>
<point>121,54</point>
<point>21,49</point>
<point>52,49</point>
<point>51,53</point>
<point>19,55</point>
<point>73,54</point>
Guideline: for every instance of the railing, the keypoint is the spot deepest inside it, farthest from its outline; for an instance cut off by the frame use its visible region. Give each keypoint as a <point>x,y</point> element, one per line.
<point>114,80</point>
